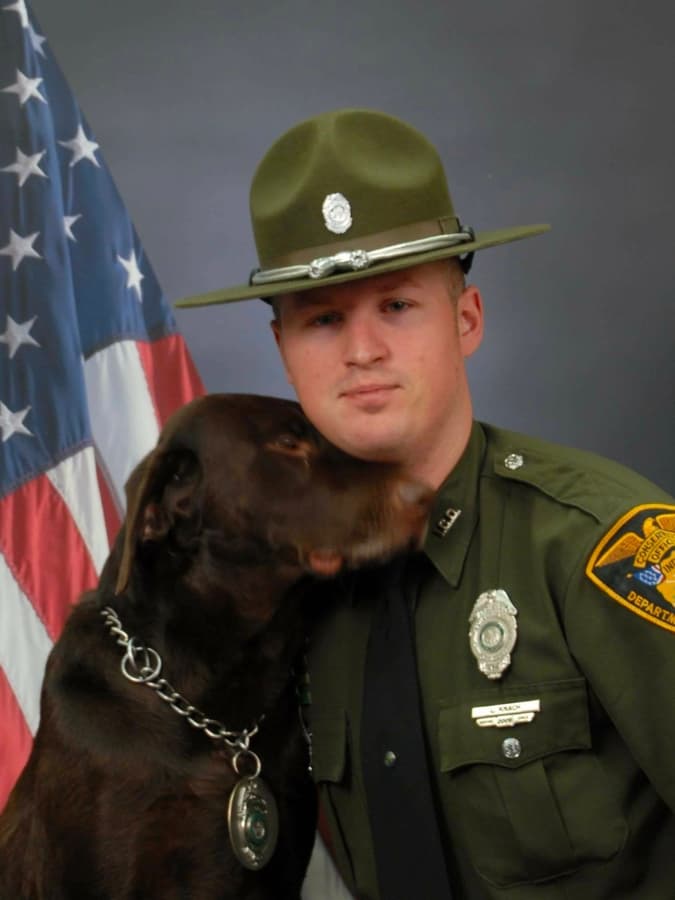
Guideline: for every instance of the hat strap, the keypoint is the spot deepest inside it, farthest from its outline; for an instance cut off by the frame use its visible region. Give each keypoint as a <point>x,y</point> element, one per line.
<point>355,260</point>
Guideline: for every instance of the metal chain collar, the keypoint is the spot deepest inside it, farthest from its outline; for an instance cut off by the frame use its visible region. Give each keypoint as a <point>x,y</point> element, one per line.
<point>143,665</point>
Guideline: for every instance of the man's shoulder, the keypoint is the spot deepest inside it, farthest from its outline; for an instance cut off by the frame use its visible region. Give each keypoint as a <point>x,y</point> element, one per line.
<point>599,486</point>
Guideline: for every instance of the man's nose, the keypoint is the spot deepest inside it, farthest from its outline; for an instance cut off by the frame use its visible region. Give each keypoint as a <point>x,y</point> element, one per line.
<point>364,341</point>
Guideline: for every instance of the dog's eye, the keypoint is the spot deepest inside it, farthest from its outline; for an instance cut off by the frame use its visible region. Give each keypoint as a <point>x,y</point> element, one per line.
<point>287,442</point>
<point>182,468</point>
<point>180,473</point>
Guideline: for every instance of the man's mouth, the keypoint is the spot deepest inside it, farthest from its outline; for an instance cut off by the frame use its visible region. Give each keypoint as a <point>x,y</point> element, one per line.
<point>368,390</point>
<point>369,398</point>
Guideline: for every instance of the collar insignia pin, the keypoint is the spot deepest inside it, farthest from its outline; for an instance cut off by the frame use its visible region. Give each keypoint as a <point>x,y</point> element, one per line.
<point>337,213</point>
<point>446,521</point>
<point>493,632</point>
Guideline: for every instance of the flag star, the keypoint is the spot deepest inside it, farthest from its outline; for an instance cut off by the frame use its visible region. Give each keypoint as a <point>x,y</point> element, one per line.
<point>81,147</point>
<point>19,7</point>
<point>25,88</point>
<point>25,166</point>
<point>19,247</point>
<point>134,274</point>
<point>68,222</point>
<point>37,40</point>
<point>12,422</point>
<point>18,333</point>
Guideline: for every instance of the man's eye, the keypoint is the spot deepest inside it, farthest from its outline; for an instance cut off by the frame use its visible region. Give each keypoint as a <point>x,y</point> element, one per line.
<point>323,319</point>
<point>396,305</point>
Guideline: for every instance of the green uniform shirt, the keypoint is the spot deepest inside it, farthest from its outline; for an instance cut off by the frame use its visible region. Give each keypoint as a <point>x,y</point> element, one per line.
<point>578,802</point>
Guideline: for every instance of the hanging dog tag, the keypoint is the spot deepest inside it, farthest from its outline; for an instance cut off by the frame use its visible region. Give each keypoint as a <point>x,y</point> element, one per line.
<point>253,822</point>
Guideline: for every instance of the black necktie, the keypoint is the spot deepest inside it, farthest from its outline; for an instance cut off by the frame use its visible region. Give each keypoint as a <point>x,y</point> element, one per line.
<point>408,848</point>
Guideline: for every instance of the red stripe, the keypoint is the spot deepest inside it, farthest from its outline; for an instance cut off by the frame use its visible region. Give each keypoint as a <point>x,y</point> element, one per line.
<point>45,551</point>
<point>16,739</point>
<point>171,374</point>
<point>111,513</point>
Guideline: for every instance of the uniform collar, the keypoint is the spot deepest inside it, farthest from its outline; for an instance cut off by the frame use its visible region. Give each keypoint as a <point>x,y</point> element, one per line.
<point>450,533</point>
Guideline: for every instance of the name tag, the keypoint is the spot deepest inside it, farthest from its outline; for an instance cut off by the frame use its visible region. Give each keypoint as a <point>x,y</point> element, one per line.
<point>504,715</point>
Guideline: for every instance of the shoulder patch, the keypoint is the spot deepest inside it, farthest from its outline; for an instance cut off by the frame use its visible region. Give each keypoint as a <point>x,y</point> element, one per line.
<point>635,563</point>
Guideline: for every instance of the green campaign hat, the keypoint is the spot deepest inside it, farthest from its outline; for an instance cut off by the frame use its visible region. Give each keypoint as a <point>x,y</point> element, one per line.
<point>347,195</point>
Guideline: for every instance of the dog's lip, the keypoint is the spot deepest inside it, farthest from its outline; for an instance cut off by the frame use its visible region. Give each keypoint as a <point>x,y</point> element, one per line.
<point>325,561</point>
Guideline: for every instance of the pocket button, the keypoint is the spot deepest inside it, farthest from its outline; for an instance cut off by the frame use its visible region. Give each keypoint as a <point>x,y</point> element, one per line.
<point>511,748</point>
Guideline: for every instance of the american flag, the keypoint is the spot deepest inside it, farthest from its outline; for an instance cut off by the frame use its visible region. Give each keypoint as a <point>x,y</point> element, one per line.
<point>90,366</point>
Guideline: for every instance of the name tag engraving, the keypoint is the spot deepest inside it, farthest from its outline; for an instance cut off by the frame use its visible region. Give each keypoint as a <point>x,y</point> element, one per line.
<point>504,715</point>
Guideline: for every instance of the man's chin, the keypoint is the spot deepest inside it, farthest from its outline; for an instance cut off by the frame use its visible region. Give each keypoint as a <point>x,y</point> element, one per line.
<point>377,438</point>
<point>370,447</point>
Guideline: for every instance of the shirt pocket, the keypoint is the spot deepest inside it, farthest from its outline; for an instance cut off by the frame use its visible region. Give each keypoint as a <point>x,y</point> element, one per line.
<point>529,802</point>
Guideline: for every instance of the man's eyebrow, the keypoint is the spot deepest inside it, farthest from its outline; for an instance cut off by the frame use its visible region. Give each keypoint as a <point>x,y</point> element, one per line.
<point>304,300</point>
<point>396,283</point>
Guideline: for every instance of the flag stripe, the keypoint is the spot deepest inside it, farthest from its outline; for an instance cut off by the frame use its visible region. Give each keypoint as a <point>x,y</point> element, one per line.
<point>24,646</point>
<point>122,411</point>
<point>168,354</point>
<point>111,512</point>
<point>45,551</point>
<point>16,742</point>
<point>76,481</point>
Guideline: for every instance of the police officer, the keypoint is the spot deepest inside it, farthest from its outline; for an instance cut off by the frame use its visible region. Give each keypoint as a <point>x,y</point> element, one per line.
<point>492,717</point>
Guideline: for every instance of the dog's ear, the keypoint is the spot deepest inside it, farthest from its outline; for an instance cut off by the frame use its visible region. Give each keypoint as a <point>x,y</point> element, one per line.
<point>161,491</point>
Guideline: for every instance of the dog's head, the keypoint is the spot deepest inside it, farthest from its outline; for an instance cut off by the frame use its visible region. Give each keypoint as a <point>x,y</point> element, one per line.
<point>246,480</point>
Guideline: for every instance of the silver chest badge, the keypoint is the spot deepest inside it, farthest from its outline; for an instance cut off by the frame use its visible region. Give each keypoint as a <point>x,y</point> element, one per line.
<point>337,213</point>
<point>493,632</point>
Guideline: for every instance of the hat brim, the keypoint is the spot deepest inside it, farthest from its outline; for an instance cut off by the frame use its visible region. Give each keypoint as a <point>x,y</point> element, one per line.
<point>262,291</point>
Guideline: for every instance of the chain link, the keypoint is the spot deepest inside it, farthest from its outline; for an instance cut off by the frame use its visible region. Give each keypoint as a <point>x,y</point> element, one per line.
<point>143,665</point>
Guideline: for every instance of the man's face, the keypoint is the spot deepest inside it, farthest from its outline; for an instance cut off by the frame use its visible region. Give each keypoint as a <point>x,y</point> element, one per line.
<point>378,364</point>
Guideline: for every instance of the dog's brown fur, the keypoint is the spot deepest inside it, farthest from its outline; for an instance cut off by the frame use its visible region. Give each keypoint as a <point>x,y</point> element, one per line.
<point>121,799</point>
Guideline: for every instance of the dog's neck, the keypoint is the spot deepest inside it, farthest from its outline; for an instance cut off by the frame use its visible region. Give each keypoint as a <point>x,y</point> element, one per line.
<point>197,625</point>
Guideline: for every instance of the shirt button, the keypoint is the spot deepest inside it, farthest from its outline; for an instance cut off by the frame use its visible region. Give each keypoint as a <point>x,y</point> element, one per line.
<point>511,748</point>
<point>390,759</point>
<point>514,461</point>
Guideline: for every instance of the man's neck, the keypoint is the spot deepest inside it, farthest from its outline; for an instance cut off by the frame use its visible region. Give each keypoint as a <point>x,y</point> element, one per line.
<point>433,468</point>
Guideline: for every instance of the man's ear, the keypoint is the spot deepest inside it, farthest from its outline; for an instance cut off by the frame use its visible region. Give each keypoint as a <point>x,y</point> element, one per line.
<point>470,320</point>
<point>276,331</point>
<point>161,491</point>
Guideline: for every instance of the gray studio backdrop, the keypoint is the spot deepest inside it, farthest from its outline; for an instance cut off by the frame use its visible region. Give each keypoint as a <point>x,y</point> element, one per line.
<point>557,112</point>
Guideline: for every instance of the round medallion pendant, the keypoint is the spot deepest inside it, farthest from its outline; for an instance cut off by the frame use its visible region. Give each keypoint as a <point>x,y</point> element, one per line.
<point>253,822</point>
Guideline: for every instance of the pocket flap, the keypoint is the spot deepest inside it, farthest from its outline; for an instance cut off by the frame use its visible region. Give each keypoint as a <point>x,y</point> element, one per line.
<point>562,723</point>
<point>329,744</point>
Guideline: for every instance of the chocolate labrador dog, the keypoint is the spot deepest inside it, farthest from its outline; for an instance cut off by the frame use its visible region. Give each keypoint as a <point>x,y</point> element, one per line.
<point>170,761</point>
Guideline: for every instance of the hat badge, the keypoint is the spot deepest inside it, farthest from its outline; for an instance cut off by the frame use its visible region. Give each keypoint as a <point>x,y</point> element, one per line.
<point>337,213</point>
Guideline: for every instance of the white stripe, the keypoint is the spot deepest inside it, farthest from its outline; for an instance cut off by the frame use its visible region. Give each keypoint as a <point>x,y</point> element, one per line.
<point>122,414</point>
<point>322,881</point>
<point>24,646</point>
<point>75,480</point>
